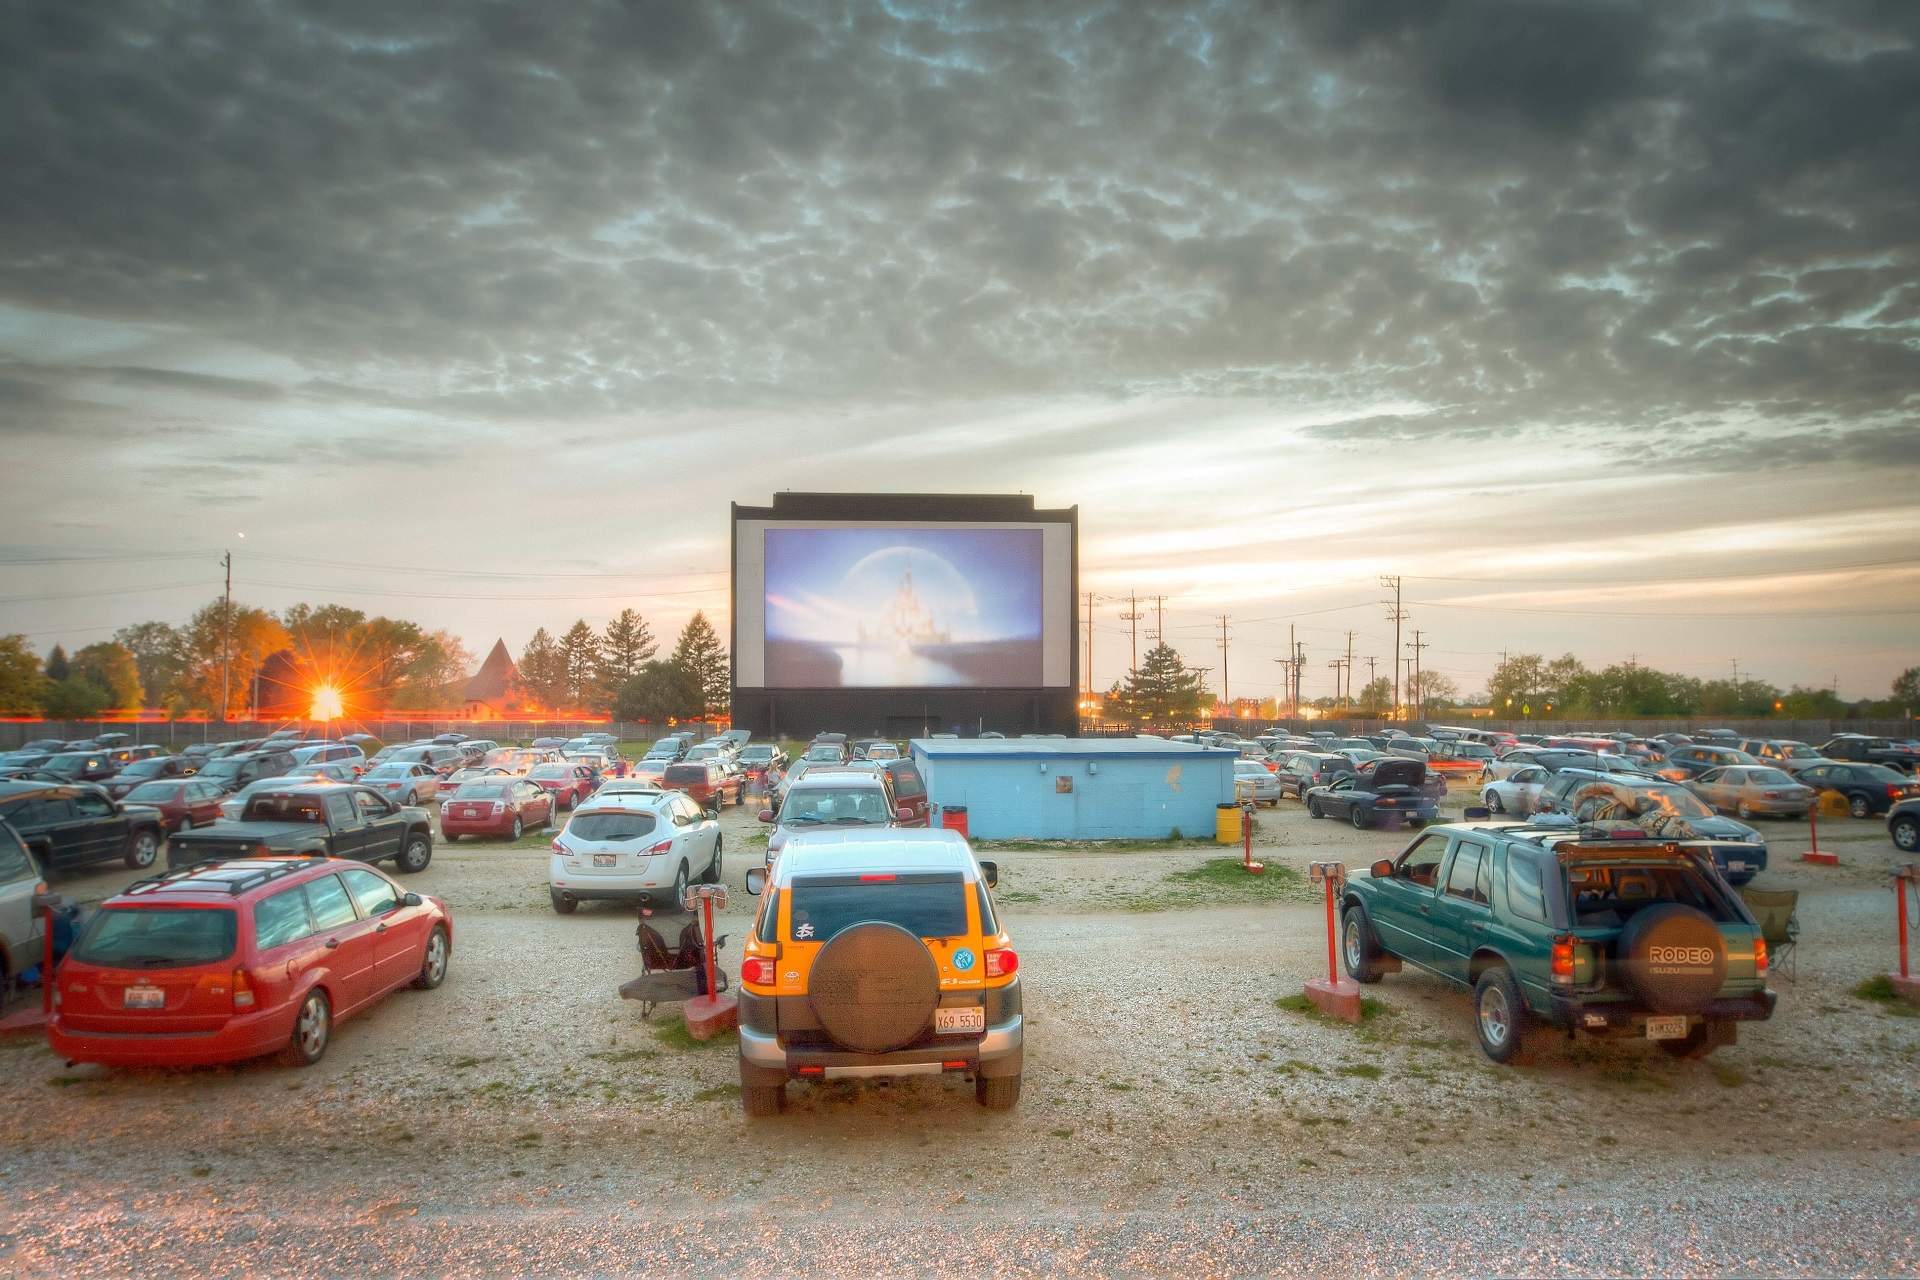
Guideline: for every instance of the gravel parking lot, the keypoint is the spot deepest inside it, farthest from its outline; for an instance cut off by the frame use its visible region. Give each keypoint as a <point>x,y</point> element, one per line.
<point>524,1119</point>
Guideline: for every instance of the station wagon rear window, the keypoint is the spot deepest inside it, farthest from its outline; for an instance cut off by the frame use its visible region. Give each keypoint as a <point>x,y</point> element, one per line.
<point>927,905</point>
<point>157,937</point>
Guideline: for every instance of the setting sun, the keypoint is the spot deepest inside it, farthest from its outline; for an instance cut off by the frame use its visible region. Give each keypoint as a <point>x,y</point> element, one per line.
<point>326,704</point>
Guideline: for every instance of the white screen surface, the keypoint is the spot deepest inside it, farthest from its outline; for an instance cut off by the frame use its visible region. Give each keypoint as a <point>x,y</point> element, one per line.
<point>903,604</point>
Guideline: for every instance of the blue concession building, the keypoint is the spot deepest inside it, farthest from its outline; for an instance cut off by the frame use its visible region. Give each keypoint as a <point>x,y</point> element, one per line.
<point>1077,788</point>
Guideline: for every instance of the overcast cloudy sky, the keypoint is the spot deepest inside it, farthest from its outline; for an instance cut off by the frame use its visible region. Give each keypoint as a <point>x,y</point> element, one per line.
<point>1600,322</point>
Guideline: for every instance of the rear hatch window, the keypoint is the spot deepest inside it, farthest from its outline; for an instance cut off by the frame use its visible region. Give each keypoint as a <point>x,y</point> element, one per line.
<point>1607,894</point>
<point>927,905</point>
<point>612,826</point>
<point>157,937</point>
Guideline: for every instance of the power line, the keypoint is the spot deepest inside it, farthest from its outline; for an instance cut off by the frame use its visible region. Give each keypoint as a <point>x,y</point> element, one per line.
<point>445,595</point>
<point>1396,615</point>
<point>1597,613</point>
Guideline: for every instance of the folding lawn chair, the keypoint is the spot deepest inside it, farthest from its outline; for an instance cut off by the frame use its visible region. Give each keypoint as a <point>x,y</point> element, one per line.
<point>1779,925</point>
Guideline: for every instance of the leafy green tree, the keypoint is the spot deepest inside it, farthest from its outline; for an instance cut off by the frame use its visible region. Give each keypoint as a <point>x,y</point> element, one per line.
<point>1906,690</point>
<point>58,668</point>
<point>111,668</point>
<point>658,692</point>
<point>436,675</point>
<point>1519,681</point>
<point>1375,695</point>
<point>23,684</point>
<point>1804,703</point>
<point>1163,691</point>
<point>75,698</point>
<point>1432,690</point>
<point>699,653</point>
<point>580,663</point>
<point>219,633</point>
<point>543,672</point>
<point>160,652</point>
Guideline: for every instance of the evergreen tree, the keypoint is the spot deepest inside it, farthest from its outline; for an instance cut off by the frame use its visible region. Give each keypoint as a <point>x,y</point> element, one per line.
<point>627,646</point>
<point>580,666</point>
<point>543,672</point>
<point>657,693</point>
<point>75,698</point>
<point>1163,691</point>
<point>58,668</point>
<point>699,653</point>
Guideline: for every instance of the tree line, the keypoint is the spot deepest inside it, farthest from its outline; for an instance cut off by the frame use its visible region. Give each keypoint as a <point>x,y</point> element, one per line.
<point>244,657</point>
<point>618,672</point>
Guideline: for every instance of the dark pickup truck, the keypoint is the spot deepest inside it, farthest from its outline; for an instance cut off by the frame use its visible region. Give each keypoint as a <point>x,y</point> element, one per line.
<point>1858,748</point>
<point>337,820</point>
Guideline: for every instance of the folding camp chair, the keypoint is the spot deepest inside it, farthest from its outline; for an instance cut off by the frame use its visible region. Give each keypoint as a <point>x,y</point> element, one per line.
<point>1779,925</point>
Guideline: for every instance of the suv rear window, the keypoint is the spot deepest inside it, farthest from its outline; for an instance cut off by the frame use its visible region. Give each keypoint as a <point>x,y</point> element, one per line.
<point>930,905</point>
<point>686,773</point>
<point>612,826</point>
<point>157,937</point>
<point>837,804</point>
<point>1606,893</point>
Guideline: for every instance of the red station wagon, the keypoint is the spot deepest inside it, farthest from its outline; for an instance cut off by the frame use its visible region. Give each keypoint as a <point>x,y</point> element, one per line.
<point>234,960</point>
<point>707,781</point>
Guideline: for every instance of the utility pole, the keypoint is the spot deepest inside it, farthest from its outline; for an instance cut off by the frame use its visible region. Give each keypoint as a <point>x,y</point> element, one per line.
<point>1349,668</point>
<point>1089,646</point>
<point>1293,671</point>
<point>1299,665</point>
<point>1395,615</point>
<point>1369,684</point>
<point>1419,693</point>
<point>1225,696</point>
<point>1337,664</point>
<point>1132,617</point>
<point>1159,619</point>
<point>226,635</point>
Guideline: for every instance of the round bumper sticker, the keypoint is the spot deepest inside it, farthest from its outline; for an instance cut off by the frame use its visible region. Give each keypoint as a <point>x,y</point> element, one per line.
<point>963,959</point>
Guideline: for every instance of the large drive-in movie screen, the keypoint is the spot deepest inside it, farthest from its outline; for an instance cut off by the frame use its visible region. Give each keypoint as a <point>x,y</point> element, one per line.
<point>903,608</point>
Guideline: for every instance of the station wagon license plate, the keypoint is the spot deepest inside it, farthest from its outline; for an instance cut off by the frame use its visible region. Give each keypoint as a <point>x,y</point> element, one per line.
<point>1668,1028</point>
<point>145,998</point>
<point>1736,866</point>
<point>959,1021</point>
<point>604,859</point>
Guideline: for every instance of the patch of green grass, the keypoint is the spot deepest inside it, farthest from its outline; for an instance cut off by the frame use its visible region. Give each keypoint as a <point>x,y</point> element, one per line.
<point>673,1034</point>
<point>529,1138</point>
<point>1220,882</point>
<point>1879,990</point>
<point>201,1171</point>
<point>1359,1070</point>
<point>1061,1133</point>
<point>66,1082</point>
<point>1369,1009</point>
<point>462,1064</point>
<point>1730,1077</point>
<point>718,1092</point>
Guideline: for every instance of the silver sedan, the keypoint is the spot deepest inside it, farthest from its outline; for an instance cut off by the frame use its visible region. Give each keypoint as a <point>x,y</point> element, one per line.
<point>1748,790</point>
<point>1517,793</point>
<point>1254,781</point>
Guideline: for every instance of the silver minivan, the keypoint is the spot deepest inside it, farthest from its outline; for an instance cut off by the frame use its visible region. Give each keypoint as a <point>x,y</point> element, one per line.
<point>20,928</point>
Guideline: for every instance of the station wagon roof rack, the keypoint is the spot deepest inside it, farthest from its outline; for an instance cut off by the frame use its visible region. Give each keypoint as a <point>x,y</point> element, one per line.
<point>178,877</point>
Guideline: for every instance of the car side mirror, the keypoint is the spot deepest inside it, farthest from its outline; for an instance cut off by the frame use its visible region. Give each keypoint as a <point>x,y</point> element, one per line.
<point>991,870</point>
<point>766,815</point>
<point>1382,870</point>
<point>903,814</point>
<point>756,880</point>
<point>411,900</point>
<point>711,813</point>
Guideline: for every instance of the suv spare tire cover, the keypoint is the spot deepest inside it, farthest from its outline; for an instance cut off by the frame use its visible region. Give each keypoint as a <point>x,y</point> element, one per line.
<point>873,987</point>
<point>1674,956</point>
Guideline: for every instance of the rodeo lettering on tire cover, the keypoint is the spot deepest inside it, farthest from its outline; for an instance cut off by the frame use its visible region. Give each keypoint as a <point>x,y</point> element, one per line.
<point>873,987</point>
<point>1674,956</point>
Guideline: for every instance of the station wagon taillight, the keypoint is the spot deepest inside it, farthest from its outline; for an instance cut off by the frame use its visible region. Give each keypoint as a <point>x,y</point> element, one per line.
<point>242,989</point>
<point>757,970</point>
<point>1002,962</point>
<point>1760,957</point>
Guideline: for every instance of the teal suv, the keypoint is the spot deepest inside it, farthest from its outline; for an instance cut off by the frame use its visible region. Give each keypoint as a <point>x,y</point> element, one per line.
<point>1601,931</point>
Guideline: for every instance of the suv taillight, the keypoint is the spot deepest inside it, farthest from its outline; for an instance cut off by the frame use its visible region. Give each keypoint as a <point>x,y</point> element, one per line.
<point>1894,789</point>
<point>1002,962</point>
<point>665,846</point>
<point>242,989</point>
<point>556,846</point>
<point>1760,957</point>
<point>1563,961</point>
<point>758,970</point>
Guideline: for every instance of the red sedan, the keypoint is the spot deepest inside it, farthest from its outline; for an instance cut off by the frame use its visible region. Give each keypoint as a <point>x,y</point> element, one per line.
<point>500,807</point>
<point>568,784</point>
<point>183,803</point>
<point>233,960</point>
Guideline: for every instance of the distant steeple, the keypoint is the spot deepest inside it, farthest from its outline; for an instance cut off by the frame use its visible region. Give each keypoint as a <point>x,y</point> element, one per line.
<point>495,676</point>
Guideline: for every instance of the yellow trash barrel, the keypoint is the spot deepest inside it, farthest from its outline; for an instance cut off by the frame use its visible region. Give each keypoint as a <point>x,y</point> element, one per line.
<point>1226,823</point>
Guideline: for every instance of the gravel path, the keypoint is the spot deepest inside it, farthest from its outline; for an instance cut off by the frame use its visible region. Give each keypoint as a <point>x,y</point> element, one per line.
<point>522,1119</point>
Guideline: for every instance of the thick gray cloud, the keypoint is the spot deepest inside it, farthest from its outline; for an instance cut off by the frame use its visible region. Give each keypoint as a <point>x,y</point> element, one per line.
<point>1514,212</point>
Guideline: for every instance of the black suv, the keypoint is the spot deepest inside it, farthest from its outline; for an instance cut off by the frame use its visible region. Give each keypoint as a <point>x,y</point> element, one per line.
<point>1858,748</point>
<point>75,826</point>
<point>236,771</point>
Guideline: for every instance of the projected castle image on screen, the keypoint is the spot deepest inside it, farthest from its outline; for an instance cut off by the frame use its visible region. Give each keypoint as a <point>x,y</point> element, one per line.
<point>903,608</point>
